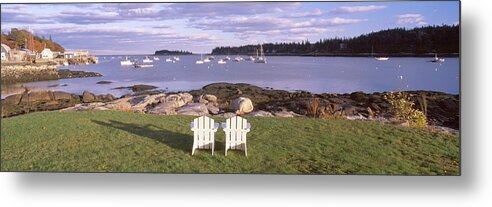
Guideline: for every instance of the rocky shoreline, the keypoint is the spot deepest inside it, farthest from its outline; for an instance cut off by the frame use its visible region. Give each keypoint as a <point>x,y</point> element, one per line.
<point>226,100</point>
<point>19,73</point>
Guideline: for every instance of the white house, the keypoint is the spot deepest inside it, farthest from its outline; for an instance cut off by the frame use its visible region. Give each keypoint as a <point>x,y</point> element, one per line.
<point>5,52</point>
<point>46,54</point>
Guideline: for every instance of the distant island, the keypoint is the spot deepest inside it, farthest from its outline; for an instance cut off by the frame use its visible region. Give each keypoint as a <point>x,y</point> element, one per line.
<point>172,52</point>
<point>421,41</point>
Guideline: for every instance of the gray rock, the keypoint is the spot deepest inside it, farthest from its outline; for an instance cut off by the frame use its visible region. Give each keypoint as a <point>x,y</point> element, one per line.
<point>178,100</point>
<point>88,97</point>
<point>188,98</point>
<point>12,99</point>
<point>226,115</point>
<point>166,108</point>
<point>193,109</point>
<point>210,98</point>
<point>39,96</point>
<point>260,114</point>
<point>213,109</point>
<point>139,103</point>
<point>242,105</point>
<point>284,114</point>
<point>59,95</point>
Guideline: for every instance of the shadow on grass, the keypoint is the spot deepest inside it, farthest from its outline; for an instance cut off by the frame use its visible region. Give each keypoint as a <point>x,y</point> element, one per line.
<point>172,139</point>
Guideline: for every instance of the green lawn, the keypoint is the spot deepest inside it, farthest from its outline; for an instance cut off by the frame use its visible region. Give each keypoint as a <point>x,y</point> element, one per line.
<point>108,141</point>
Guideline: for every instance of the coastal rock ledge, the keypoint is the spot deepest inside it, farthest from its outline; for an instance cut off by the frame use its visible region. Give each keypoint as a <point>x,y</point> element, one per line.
<point>222,100</point>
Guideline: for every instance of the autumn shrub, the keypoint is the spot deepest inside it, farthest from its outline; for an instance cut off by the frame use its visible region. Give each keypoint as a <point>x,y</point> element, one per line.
<point>312,107</point>
<point>403,108</point>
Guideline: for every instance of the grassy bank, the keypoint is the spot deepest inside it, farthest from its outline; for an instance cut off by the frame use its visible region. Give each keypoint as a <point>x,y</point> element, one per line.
<point>106,141</point>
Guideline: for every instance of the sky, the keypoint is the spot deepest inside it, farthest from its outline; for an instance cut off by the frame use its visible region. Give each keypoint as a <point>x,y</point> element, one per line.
<point>142,28</point>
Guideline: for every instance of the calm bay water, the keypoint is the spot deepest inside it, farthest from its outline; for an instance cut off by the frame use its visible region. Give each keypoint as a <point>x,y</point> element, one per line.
<point>314,74</point>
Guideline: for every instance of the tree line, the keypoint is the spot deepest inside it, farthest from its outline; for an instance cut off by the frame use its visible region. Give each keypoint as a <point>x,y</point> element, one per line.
<point>172,52</point>
<point>442,39</point>
<point>19,39</point>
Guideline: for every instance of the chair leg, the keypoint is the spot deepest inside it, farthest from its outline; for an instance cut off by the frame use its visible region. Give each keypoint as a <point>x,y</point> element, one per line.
<point>213,148</point>
<point>245,150</point>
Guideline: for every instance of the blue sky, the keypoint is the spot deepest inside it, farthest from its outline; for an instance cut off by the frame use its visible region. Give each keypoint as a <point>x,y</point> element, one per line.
<point>142,28</point>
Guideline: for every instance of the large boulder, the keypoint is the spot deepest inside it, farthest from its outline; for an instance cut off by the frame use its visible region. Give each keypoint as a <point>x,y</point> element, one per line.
<point>193,109</point>
<point>241,105</point>
<point>122,104</point>
<point>213,109</point>
<point>177,99</point>
<point>139,103</point>
<point>210,98</point>
<point>88,97</point>
<point>105,98</point>
<point>59,95</point>
<point>39,96</point>
<point>166,108</point>
<point>188,98</point>
<point>12,99</point>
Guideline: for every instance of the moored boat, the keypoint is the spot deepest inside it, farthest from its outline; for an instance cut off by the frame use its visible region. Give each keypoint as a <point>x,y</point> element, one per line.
<point>147,60</point>
<point>126,62</point>
<point>437,59</point>
<point>261,58</point>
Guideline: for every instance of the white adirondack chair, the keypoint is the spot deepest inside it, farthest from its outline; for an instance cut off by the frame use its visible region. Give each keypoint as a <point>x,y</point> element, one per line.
<point>235,129</point>
<point>204,129</point>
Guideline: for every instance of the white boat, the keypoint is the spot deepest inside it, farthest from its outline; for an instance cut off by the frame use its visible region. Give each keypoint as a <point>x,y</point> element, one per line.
<point>200,61</point>
<point>143,65</point>
<point>250,58</point>
<point>261,58</point>
<point>382,58</point>
<point>156,58</point>
<point>126,62</point>
<point>238,59</point>
<point>221,61</point>
<point>147,60</point>
<point>227,58</point>
<point>169,59</point>
<point>436,59</point>
<point>176,58</point>
<point>206,60</point>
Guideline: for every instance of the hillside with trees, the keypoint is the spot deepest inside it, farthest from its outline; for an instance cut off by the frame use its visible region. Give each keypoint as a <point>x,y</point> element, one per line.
<point>393,42</point>
<point>18,38</point>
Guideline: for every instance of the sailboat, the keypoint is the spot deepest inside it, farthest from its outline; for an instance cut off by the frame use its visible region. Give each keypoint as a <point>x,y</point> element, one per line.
<point>221,61</point>
<point>378,58</point>
<point>200,61</point>
<point>156,58</point>
<point>147,60</point>
<point>261,58</point>
<point>436,59</point>
<point>169,59</point>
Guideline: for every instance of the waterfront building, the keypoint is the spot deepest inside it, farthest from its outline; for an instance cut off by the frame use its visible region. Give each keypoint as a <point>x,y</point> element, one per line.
<point>67,55</point>
<point>5,52</point>
<point>46,54</point>
<point>17,55</point>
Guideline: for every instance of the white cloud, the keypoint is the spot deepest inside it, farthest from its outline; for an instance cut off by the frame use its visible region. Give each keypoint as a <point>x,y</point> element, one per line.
<point>315,12</point>
<point>354,9</point>
<point>411,19</point>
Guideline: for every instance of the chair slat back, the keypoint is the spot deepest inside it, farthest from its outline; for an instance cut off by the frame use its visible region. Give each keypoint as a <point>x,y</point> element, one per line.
<point>236,129</point>
<point>203,132</point>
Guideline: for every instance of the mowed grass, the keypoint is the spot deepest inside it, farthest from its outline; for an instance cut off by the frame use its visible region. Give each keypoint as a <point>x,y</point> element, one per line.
<point>109,141</point>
